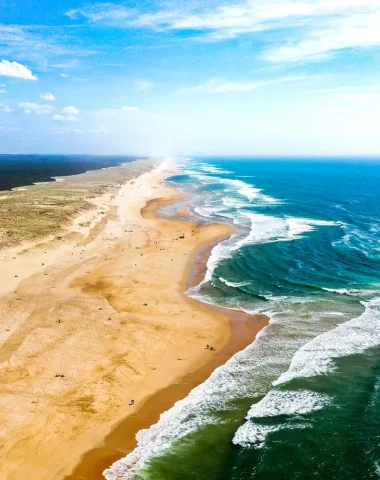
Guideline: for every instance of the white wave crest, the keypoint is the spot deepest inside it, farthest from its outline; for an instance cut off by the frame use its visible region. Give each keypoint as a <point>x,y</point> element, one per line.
<point>248,191</point>
<point>354,292</point>
<point>298,226</point>
<point>288,402</point>
<point>355,336</point>
<point>212,169</point>
<point>253,434</point>
<point>203,212</point>
<point>275,403</point>
<point>314,358</point>
<point>233,284</point>
<point>266,228</point>
<point>219,252</point>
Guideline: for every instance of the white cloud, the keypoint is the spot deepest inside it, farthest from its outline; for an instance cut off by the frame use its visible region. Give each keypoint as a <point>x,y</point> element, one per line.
<point>103,12</point>
<point>64,75</point>
<point>71,111</point>
<point>65,131</point>
<point>15,69</point>
<point>35,109</point>
<point>10,130</point>
<point>69,115</point>
<point>130,109</point>
<point>221,85</point>
<point>5,108</point>
<point>104,130</point>
<point>65,118</point>
<point>49,97</point>
<point>3,88</point>
<point>315,29</point>
<point>358,30</point>
<point>35,42</point>
<point>142,85</point>
<point>68,64</point>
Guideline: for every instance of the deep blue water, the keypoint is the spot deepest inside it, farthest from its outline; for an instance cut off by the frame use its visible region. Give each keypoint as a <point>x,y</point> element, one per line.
<point>303,400</point>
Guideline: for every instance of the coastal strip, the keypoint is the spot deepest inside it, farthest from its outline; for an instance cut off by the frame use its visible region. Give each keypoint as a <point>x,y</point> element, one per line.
<point>103,323</point>
<point>243,331</point>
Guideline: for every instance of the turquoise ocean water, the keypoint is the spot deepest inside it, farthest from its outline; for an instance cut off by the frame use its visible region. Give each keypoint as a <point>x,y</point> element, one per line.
<point>303,401</point>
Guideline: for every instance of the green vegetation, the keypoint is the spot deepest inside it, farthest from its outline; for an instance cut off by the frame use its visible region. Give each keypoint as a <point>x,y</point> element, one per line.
<point>37,211</point>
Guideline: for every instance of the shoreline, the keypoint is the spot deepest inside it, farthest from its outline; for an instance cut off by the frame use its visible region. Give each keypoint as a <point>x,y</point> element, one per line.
<point>243,329</point>
<point>80,230</point>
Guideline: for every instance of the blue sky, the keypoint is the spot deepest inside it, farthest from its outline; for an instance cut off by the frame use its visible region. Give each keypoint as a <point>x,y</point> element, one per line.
<point>247,77</point>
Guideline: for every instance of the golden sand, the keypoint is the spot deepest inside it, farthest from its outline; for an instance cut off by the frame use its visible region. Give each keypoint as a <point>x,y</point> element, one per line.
<point>104,321</point>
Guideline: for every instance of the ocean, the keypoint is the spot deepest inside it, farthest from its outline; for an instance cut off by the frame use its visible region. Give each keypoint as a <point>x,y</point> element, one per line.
<point>303,401</point>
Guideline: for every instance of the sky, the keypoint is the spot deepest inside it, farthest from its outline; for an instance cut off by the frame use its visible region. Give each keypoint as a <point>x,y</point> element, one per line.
<point>196,77</point>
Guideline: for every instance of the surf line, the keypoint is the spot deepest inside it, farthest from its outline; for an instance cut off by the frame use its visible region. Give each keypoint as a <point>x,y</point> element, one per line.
<point>243,329</point>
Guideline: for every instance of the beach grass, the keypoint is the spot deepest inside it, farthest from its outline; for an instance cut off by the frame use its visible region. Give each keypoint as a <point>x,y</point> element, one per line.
<point>30,213</point>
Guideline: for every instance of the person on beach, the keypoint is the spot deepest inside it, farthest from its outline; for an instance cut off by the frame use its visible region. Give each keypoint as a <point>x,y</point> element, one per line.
<point>132,402</point>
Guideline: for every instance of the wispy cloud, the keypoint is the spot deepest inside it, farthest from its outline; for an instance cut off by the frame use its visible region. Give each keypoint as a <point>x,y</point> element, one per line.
<point>35,108</point>
<point>103,130</point>
<point>69,114</point>
<point>48,97</point>
<point>68,64</point>
<point>30,42</point>
<point>65,131</point>
<point>36,45</point>
<point>328,37</point>
<point>223,86</point>
<point>5,108</point>
<point>15,69</point>
<point>10,130</point>
<point>130,109</point>
<point>3,88</point>
<point>142,85</point>
<point>103,12</point>
<point>316,29</point>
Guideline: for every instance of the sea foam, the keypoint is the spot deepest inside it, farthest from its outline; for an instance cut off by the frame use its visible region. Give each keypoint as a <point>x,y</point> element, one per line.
<point>266,228</point>
<point>355,336</point>
<point>277,403</point>
<point>233,284</point>
<point>314,358</point>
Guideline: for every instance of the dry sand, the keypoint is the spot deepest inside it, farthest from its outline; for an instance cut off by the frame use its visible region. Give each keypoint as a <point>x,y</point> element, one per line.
<point>105,320</point>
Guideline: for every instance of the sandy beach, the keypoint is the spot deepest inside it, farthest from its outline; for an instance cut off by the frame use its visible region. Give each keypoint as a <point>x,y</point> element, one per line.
<point>102,320</point>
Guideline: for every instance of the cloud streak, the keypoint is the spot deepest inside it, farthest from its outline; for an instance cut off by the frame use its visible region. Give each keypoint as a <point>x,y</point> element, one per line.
<point>142,85</point>
<point>130,109</point>
<point>316,29</point>
<point>223,86</point>
<point>35,108</point>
